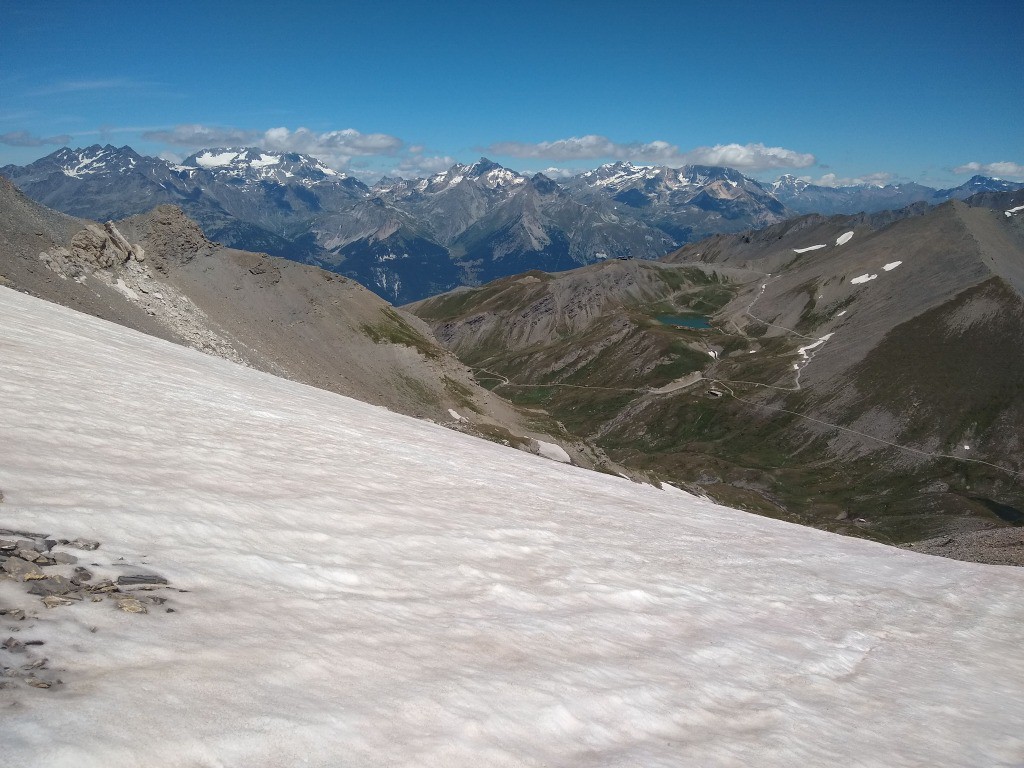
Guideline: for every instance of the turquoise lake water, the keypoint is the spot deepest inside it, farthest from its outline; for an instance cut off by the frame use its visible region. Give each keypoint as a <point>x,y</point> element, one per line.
<point>685,321</point>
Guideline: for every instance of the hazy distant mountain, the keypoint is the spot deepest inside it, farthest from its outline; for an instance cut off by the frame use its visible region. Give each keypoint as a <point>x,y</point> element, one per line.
<point>801,196</point>
<point>687,203</point>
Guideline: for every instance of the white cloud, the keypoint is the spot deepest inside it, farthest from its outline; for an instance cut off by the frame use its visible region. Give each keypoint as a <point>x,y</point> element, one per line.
<point>196,136</point>
<point>26,139</point>
<point>336,148</point>
<point>559,173</point>
<point>417,166</point>
<point>750,157</point>
<point>1002,169</point>
<point>879,179</point>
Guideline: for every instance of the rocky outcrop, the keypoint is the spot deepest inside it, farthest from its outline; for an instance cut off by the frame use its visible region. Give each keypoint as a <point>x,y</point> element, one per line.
<point>170,236</point>
<point>93,247</point>
<point>103,247</point>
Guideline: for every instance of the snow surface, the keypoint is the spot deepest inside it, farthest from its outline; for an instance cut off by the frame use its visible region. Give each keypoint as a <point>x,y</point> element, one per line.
<point>844,238</point>
<point>553,452</point>
<point>210,160</point>
<point>891,266</point>
<point>810,248</point>
<point>805,349</point>
<point>368,590</point>
<point>863,278</point>
<point>264,161</point>
<point>1012,211</point>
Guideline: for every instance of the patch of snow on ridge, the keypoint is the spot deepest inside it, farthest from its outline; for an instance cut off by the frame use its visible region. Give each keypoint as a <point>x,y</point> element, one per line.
<point>810,248</point>
<point>210,160</point>
<point>265,160</point>
<point>553,452</point>
<point>844,238</point>
<point>891,266</point>
<point>367,585</point>
<point>1012,211</point>
<point>863,278</point>
<point>804,350</point>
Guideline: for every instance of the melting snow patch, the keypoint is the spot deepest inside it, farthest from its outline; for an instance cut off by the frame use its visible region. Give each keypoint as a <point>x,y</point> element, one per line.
<point>891,265</point>
<point>455,415</point>
<point>840,314</point>
<point>844,238</point>
<point>553,452</point>
<point>863,278</point>
<point>1012,211</point>
<point>810,248</point>
<point>804,350</point>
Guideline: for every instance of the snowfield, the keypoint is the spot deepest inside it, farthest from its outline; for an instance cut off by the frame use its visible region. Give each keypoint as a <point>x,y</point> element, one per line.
<point>368,590</point>
<point>810,248</point>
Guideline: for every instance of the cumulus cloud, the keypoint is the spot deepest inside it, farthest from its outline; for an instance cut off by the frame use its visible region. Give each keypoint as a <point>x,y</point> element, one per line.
<point>879,179</point>
<point>196,136</point>
<point>417,166</point>
<point>1002,169</point>
<point>336,148</point>
<point>750,157</point>
<point>26,139</point>
<point>558,173</point>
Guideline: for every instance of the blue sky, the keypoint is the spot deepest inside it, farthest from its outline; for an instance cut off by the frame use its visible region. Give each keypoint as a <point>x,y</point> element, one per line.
<point>902,91</point>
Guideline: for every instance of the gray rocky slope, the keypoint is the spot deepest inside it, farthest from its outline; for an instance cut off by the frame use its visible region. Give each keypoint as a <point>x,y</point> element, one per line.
<point>159,274</point>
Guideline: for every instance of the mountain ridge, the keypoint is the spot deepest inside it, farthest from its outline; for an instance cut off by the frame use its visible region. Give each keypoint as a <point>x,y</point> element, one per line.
<point>409,238</point>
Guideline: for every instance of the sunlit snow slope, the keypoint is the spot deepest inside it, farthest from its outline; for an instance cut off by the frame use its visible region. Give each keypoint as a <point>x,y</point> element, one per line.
<point>366,589</point>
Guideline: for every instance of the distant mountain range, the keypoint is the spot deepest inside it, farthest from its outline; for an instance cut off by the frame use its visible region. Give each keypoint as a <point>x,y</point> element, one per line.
<point>406,239</point>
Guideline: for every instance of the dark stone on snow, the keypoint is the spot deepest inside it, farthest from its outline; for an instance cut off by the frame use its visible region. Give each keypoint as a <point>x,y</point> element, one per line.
<point>22,534</point>
<point>140,578</point>
<point>22,570</point>
<point>52,585</point>
<point>87,544</point>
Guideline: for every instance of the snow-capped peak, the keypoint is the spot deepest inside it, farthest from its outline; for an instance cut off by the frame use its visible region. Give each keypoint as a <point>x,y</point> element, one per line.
<point>254,164</point>
<point>484,172</point>
<point>95,160</point>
